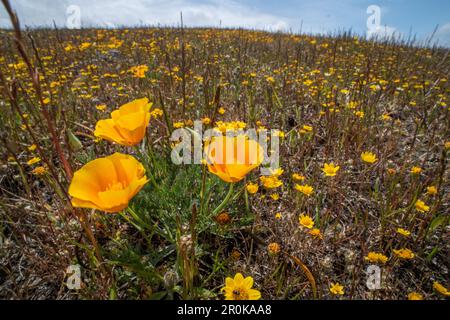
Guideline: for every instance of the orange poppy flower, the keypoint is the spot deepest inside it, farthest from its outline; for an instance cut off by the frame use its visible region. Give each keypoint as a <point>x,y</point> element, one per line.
<point>108,183</point>
<point>127,125</point>
<point>232,158</point>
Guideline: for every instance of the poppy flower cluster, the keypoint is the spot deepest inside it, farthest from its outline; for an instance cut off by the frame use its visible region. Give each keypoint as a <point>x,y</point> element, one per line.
<point>109,183</point>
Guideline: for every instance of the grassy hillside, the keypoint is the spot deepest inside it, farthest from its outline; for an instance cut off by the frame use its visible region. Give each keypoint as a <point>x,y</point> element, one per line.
<point>331,98</point>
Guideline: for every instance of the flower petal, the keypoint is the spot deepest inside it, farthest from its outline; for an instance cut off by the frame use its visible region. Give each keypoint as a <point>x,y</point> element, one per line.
<point>128,169</point>
<point>133,121</point>
<point>106,129</point>
<point>238,279</point>
<point>248,283</point>
<point>254,294</point>
<point>84,187</point>
<point>114,200</point>
<point>79,203</point>
<point>229,282</point>
<point>134,106</point>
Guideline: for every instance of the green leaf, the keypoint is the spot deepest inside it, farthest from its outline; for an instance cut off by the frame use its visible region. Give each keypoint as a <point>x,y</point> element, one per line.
<point>158,295</point>
<point>74,142</point>
<point>432,253</point>
<point>437,222</point>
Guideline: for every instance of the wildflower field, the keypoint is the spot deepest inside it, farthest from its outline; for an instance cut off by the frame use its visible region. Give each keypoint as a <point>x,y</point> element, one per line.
<point>358,208</point>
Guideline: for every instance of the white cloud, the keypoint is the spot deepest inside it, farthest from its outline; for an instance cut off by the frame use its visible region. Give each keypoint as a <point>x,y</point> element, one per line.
<point>442,35</point>
<point>382,33</point>
<point>375,30</point>
<point>318,16</point>
<point>228,13</point>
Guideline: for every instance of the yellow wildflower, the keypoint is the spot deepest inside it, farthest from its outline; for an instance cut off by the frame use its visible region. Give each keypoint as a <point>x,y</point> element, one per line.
<point>206,120</point>
<point>275,196</point>
<point>337,289</point>
<point>156,113</point>
<point>421,206</point>
<point>404,253</point>
<point>139,71</point>
<point>270,79</point>
<point>359,114</point>
<point>369,157</point>
<point>252,188</point>
<point>330,169</point>
<point>441,289</point>
<point>306,129</point>
<point>298,177</point>
<point>403,232</point>
<point>178,125</point>
<point>277,172</point>
<point>306,221</point>
<point>431,190</point>
<point>270,182</point>
<point>33,161</point>
<point>32,147</point>
<point>305,189</point>
<point>316,233</point>
<point>416,170</point>
<point>101,107</point>
<point>240,288</point>
<point>376,257</point>
<point>415,296</point>
<point>39,170</point>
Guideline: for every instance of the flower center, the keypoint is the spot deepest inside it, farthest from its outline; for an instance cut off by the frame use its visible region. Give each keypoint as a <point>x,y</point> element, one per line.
<point>239,294</point>
<point>115,186</point>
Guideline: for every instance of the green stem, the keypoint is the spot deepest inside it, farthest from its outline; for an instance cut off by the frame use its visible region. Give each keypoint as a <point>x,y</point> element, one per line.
<point>203,190</point>
<point>280,105</point>
<point>225,201</point>
<point>147,168</point>
<point>137,218</point>
<point>247,202</point>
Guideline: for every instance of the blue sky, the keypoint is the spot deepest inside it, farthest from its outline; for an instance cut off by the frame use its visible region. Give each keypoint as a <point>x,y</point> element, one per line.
<point>397,17</point>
